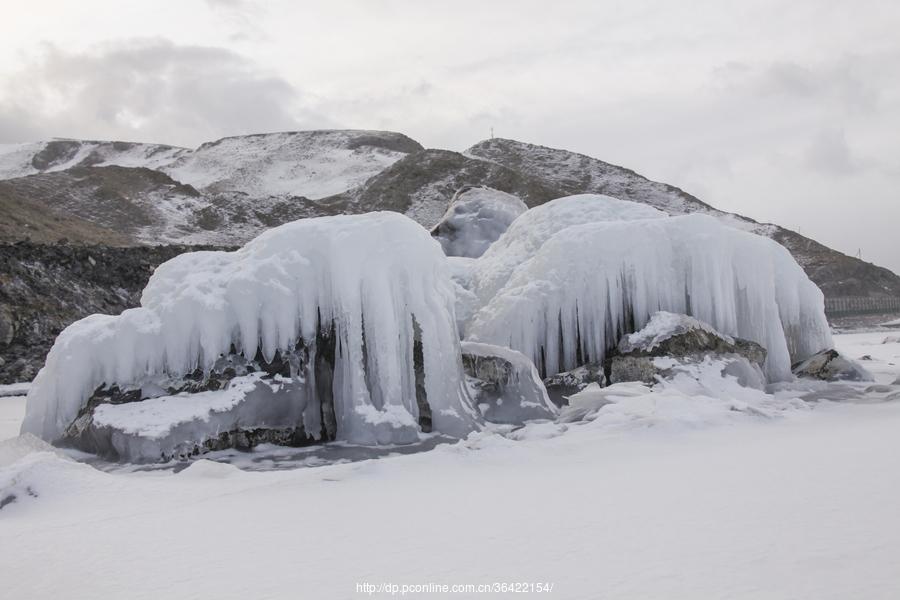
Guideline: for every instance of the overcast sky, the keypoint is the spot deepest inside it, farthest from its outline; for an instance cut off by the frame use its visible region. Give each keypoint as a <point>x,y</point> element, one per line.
<point>786,111</point>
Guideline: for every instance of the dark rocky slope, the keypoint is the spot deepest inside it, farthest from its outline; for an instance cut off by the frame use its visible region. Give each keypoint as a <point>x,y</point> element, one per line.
<point>44,288</point>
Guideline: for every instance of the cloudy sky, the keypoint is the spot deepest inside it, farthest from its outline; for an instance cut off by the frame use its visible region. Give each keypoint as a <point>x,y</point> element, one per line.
<point>785,111</point>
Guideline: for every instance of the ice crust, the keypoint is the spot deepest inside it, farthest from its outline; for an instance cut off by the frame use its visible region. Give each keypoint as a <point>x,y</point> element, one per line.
<point>564,295</point>
<point>379,278</point>
<point>515,393</point>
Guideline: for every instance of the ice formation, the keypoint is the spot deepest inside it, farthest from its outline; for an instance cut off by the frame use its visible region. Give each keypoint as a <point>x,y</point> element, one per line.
<point>379,280</point>
<point>529,232</point>
<point>505,385</point>
<point>566,294</point>
<point>476,217</point>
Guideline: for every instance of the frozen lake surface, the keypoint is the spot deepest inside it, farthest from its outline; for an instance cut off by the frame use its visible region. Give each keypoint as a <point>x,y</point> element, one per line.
<point>669,499</point>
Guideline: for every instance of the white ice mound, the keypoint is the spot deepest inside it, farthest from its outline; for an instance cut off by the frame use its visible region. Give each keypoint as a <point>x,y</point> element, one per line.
<point>475,219</point>
<point>528,233</point>
<point>568,301</point>
<point>379,279</point>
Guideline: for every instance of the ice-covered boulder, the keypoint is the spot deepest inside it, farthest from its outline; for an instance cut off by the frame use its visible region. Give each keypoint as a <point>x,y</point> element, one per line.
<point>671,334</point>
<point>565,298</point>
<point>505,385</point>
<point>249,411</point>
<point>565,384</point>
<point>376,285</point>
<point>476,217</point>
<point>829,365</point>
<point>670,341</point>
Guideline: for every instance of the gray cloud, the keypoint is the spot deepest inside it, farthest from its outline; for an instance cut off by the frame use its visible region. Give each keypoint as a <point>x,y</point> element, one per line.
<point>149,90</point>
<point>829,153</point>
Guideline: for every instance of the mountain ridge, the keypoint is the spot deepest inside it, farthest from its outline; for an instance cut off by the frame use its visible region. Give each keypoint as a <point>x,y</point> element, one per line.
<point>226,191</point>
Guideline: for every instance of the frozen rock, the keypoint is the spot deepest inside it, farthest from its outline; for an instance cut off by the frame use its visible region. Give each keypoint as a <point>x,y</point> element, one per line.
<point>505,385</point>
<point>671,334</point>
<point>670,340</point>
<point>829,365</point>
<point>562,385</point>
<point>567,298</point>
<point>377,285</point>
<point>249,411</point>
<point>895,324</point>
<point>477,216</point>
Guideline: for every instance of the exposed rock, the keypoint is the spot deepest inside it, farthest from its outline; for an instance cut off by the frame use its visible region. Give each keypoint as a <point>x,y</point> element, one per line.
<point>7,326</point>
<point>683,339</point>
<point>562,385</point>
<point>670,334</point>
<point>422,184</point>
<point>44,288</point>
<point>829,365</point>
<point>632,368</point>
<point>505,385</point>
<point>238,404</point>
<point>185,425</point>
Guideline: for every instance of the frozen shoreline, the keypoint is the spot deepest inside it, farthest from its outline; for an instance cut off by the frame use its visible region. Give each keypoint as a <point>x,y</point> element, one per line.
<point>801,506</point>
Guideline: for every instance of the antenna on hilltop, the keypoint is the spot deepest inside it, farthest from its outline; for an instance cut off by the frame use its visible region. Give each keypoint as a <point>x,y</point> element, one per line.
<point>492,133</point>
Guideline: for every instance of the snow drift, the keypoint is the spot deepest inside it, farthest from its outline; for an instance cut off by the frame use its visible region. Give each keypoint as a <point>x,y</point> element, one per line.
<point>563,292</point>
<point>379,280</point>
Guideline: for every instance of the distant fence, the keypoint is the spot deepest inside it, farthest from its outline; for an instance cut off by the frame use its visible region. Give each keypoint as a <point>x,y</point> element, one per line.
<point>857,305</point>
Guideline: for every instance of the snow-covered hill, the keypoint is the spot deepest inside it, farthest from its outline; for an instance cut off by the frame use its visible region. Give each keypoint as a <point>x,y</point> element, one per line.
<point>312,164</point>
<point>19,160</point>
<point>236,187</point>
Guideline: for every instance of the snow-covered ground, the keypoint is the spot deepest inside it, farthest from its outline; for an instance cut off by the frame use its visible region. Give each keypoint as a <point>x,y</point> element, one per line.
<point>666,497</point>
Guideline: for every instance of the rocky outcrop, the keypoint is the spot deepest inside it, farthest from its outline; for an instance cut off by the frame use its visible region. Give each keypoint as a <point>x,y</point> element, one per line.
<point>44,288</point>
<point>829,365</point>
<point>238,403</point>
<point>422,184</point>
<point>682,339</point>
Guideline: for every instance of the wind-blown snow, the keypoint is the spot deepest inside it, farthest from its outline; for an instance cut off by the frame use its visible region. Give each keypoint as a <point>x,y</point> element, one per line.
<point>567,298</point>
<point>475,219</point>
<point>380,278</point>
